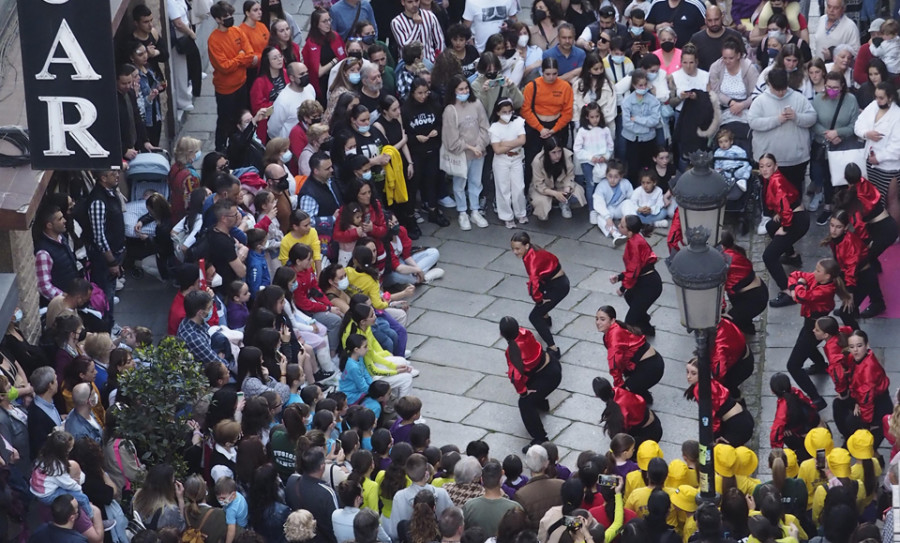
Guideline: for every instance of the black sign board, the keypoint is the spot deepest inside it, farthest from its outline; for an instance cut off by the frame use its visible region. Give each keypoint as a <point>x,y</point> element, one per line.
<point>70,84</point>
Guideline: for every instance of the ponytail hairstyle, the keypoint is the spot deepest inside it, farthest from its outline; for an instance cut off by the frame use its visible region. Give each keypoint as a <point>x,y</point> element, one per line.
<point>509,329</point>
<point>354,316</point>
<point>869,480</point>
<point>423,526</point>
<point>778,467</point>
<point>523,238</point>
<point>618,445</point>
<point>611,312</point>
<point>833,269</point>
<point>585,110</point>
<point>589,475</point>
<point>361,462</point>
<point>848,199</point>
<point>843,217</point>
<point>395,474</point>
<point>194,494</point>
<point>363,261</point>
<point>780,384</point>
<point>830,326</point>
<point>612,418</point>
<point>354,341</point>
<point>727,242</point>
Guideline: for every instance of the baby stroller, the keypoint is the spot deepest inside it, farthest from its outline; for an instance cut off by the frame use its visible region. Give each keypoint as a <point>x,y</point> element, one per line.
<point>147,173</point>
<point>742,200</point>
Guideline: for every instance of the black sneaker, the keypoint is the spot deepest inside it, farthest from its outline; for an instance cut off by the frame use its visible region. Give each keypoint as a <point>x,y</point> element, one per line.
<point>794,260</point>
<point>649,330</point>
<point>817,369</point>
<point>820,403</point>
<point>436,216</point>
<point>782,300</point>
<point>823,217</point>
<point>413,231</point>
<point>873,310</point>
<point>321,375</point>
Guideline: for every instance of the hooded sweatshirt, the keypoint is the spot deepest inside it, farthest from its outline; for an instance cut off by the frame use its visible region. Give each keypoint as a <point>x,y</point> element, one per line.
<point>788,141</point>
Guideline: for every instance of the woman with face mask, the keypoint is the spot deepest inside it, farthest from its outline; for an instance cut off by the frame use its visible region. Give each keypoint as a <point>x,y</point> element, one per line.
<point>183,176</point>
<point>669,56</point>
<point>546,14</point>
<point>347,79</point>
<point>272,79</point>
<point>836,115</point>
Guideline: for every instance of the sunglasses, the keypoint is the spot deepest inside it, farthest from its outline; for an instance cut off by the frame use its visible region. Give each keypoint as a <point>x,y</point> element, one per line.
<point>603,40</point>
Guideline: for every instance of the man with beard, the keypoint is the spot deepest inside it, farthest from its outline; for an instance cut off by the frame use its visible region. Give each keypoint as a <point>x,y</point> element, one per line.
<point>709,40</point>
<point>371,90</point>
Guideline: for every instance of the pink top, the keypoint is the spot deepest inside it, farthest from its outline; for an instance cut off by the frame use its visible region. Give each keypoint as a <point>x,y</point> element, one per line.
<point>676,61</point>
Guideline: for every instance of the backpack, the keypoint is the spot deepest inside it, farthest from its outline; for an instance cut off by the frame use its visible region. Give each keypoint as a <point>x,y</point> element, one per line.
<point>196,535</point>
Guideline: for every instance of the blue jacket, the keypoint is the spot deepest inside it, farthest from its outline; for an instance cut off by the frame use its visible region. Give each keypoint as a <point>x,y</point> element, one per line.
<point>640,117</point>
<point>79,427</point>
<point>355,380</point>
<point>257,272</point>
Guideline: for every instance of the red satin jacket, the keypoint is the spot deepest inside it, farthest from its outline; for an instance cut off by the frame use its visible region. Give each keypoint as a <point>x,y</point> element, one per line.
<point>851,253</point>
<point>638,255</point>
<point>729,348</point>
<point>621,347</point>
<point>738,271</point>
<point>633,406</point>
<point>781,198</point>
<point>780,426</point>
<point>532,357</point>
<point>816,299</point>
<point>839,365</point>
<point>720,395</point>
<point>675,239</point>
<point>869,381</point>
<point>869,198</point>
<point>541,265</point>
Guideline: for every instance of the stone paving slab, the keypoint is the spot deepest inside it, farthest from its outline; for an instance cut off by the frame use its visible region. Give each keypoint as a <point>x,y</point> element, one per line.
<point>498,417</point>
<point>469,279</point>
<point>446,407</point>
<point>444,352</point>
<point>465,329</point>
<point>457,302</point>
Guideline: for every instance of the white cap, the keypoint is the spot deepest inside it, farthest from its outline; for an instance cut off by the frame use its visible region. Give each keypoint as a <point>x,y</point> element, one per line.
<point>875,26</point>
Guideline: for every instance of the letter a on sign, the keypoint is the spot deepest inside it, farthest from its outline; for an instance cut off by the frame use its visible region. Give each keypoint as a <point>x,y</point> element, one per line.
<point>75,56</point>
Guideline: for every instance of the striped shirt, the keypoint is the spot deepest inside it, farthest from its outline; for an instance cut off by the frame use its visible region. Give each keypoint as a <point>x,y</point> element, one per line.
<point>429,33</point>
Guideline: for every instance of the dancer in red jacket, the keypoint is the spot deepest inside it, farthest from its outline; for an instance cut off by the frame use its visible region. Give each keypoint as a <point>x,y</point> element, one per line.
<point>731,359</point>
<point>746,292</point>
<point>633,363</point>
<point>840,365</point>
<point>547,284</point>
<point>795,414</point>
<point>853,256</point>
<point>868,388</point>
<point>626,412</point>
<point>641,284</point>
<point>732,424</point>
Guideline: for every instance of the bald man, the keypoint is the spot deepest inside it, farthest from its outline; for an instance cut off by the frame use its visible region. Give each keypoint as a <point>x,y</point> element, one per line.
<point>709,40</point>
<point>284,109</point>
<point>81,422</point>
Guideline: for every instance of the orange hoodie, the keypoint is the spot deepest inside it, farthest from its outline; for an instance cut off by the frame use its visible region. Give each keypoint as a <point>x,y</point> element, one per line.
<point>230,54</point>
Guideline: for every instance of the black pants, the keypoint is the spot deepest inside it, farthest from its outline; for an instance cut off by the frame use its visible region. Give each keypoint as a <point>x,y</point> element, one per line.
<point>638,155</point>
<point>851,423</point>
<point>554,291</point>
<point>841,410</point>
<point>745,306</point>
<point>534,144</point>
<point>795,174</point>
<point>640,298</point>
<point>228,107</point>
<point>426,177</point>
<point>543,383</point>
<point>740,372</point>
<point>738,429</point>
<point>194,68</point>
<point>783,245</point>
<point>650,432</point>
<point>646,373</point>
<point>866,287</point>
<point>882,234</point>
<point>806,347</point>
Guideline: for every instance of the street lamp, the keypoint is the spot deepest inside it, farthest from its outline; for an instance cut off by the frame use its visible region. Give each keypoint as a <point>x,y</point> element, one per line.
<point>699,275</point>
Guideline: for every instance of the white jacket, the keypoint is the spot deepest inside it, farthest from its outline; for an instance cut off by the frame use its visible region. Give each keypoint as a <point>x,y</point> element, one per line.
<point>591,143</point>
<point>653,200</point>
<point>887,150</point>
<point>602,195</point>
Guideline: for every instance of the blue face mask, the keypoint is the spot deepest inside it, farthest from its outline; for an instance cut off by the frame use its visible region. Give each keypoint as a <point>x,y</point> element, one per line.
<point>363,129</point>
<point>294,286</point>
<point>354,78</point>
<point>287,156</point>
<point>18,316</point>
<point>367,175</point>
<point>651,76</point>
<point>462,97</point>
<point>197,155</point>
<point>641,92</point>
<point>209,315</point>
<point>618,59</point>
<point>772,52</point>
<point>636,30</point>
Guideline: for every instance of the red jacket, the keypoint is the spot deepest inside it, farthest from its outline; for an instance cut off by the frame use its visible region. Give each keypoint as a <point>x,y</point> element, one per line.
<point>869,381</point>
<point>633,406</point>
<point>260,98</point>
<point>312,55</point>
<point>816,299</point>
<point>638,255</point>
<point>541,266</point>
<point>869,198</point>
<point>405,249</point>
<point>780,426</point>
<point>379,231</point>
<point>720,395</point>
<point>177,314</point>
<point>851,254</point>
<point>839,366</point>
<point>308,297</point>
<point>532,358</point>
<point>675,239</point>
<point>621,347</point>
<point>298,139</point>
<point>781,198</point>
<point>738,271</point>
<point>729,348</point>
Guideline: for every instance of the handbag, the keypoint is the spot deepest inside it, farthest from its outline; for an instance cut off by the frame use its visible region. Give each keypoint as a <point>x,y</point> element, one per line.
<point>454,164</point>
<point>848,151</point>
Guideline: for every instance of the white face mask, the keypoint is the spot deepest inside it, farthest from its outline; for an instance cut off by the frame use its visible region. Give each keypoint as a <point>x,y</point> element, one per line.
<point>344,283</point>
<point>523,41</point>
<point>506,117</point>
<point>216,281</point>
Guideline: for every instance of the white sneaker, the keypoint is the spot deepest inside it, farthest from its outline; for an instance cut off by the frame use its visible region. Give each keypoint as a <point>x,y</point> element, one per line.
<point>619,239</point>
<point>478,219</point>
<point>204,75</point>
<point>120,283</point>
<point>510,224</point>
<point>815,201</point>
<point>407,353</point>
<point>115,300</point>
<point>565,210</point>
<point>433,274</point>
<point>189,107</point>
<point>593,217</point>
<point>761,229</point>
<point>523,220</point>
<point>464,223</point>
<point>447,202</point>
<point>415,372</point>
<point>661,224</point>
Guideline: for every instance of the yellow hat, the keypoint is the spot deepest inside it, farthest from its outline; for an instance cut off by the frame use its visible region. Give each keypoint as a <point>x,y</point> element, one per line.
<point>678,473</point>
<point>793,468</point>
<point>725,459</point>
<point>747,461</point>
<point>646,452</point>
<point>685,498</point>
<point>861,445</point>
<point>818,438</point>
<point>839,462</point>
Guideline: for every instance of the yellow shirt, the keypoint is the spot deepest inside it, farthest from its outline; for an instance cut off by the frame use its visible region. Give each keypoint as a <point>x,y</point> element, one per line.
<point>637,502</point>
<point>633,481</point>
<point>812,478</point>
<point>311,239</point>
<point>387,504</point>
<point>858,474</point>
<point>745,484</point>
<point>690,526</point>
<point>363,283</point>
<point>370,494</point>
<point>819,500</point>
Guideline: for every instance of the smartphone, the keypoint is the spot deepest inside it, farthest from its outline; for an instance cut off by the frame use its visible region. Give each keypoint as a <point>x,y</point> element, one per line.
<point>335,447</point>
<point>201,263</point>
<point>269,111</point>
<point>573,524</point>
<point>240,396</point>
<point>497,82</point>
<point>820,459</point>
<point>610,481</point>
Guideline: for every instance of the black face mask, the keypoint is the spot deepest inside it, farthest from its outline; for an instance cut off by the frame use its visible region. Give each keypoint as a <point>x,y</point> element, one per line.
<point>315,120</point>
<point>282,184</point>
<point>538,16</point>
<point>369,40</point>
<point>326,144</point>
<point>491,75</point>
<point>777,10</point>
<point>394,230</point>
<point>228,22</point>
<point>355,54</point>
<point>83,334</point>
<point>877,41</point>
<point>885,106</point>
<point>304,80</point>
<point>667,46</point>
<point>509,53</point>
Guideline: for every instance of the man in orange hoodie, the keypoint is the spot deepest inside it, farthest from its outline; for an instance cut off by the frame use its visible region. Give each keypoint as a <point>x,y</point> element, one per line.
<point>230,54</point>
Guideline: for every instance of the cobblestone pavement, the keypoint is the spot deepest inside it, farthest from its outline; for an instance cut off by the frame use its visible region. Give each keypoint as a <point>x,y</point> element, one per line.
<point>456,344</point>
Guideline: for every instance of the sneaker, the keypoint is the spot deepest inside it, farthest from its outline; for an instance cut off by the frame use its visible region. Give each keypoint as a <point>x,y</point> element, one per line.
<point>823,217</point>
<point>109,525</point>
<point>661,224</point>
<point>447,202</point>
<point>815,201</point>
<point>414,232</point>
<point>203,75</point>
<point>619,240</point>
<point>761,229</point>
<point>433,275</point>
<point>464,223</point>
<point>817,369</point>
<point>415,372</point>
<point>120,283</point>
<point>873,310</point>
<point>820,403</point>
<point>115,300</point>
<point>566,210</point>
<point>782,300</point>
<point>478,219</point>
<point>322,375</point>
<point>332,380</point>
<point>437,217</point>
<point>419,218</point>
<point>592,218</point>
<point>647,230</point>
<point>510,224</point>
<point>189,107</point>
<point>523,220</point>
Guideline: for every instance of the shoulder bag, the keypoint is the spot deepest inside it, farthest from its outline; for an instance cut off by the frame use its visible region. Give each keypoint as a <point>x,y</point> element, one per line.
<point>454,164</point>
<point>849,151</point>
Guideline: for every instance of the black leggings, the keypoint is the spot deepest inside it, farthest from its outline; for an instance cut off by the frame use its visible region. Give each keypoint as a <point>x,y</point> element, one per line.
<point>866,287</point>
<point>740,372</point>
<point>783,245</point>
<point>647,372</point>
<point>795,175</point>
<point>851,423</point>
<point>426,178</point>
<point>746,306</point>
<point>806,347</point>
<point>882,234</point>
<point>841,409</point>
<point>738,429</point>
<point>543,383</point>
<point>640,297</point>
<point>638,155</point>
<point>554,291</point>
<point>650,432</point>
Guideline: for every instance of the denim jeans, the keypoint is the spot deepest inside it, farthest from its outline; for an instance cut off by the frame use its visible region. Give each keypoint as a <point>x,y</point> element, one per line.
<point>587,169</point>
<point>83,502</point>
<point>384,334</point>
<point>470,184</point>
<point>650,218</point>
<point>424,259</point>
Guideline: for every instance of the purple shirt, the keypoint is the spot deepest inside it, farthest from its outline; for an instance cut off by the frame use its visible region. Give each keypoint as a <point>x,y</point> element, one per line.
<point>400,432</point>
<point>510,487</point>
<point>626,468</point>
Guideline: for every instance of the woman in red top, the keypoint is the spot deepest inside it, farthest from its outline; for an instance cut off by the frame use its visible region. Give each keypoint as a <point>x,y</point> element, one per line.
<point>626,412</point>
<point>869,390</point>
<point>732,424</point>
<point>374,224</point>
<point>853,256</point>
<point>534,372</point>
<point>815,292</point>
<point>641,284</point>
<point>873,225</point>
<point>547,284</point>
<point>731,359</point>
<point>746,292</point>
<point>322,51</point>
<point>840,368</point>
<point>795,414</point>
<point>280,35</point>
<point>633,363</point>
<point>789,223</point>
<point>272,79</point>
